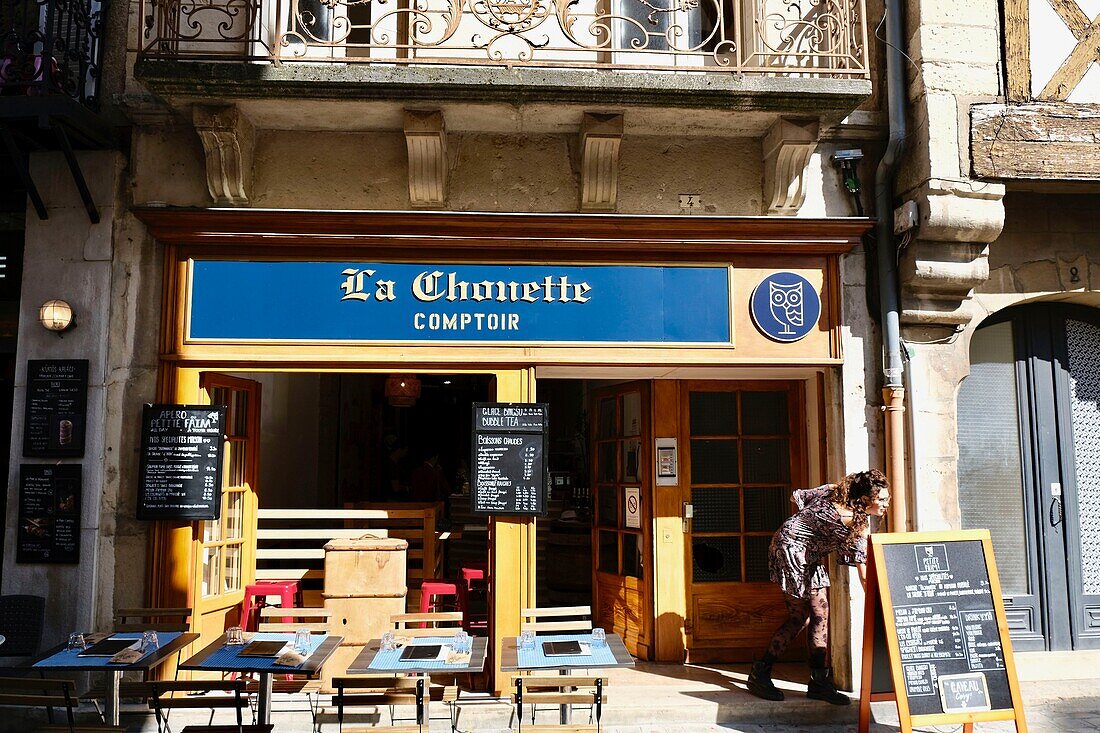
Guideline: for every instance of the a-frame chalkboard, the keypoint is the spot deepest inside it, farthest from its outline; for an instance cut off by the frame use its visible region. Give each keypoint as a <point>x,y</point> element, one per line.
<point>935,639</point>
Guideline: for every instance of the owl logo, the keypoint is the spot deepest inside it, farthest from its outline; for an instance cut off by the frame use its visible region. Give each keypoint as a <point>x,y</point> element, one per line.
<point>786,306</point>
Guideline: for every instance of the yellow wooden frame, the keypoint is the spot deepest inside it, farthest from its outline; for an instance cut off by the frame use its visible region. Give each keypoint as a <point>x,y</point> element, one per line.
<point>878,601</point>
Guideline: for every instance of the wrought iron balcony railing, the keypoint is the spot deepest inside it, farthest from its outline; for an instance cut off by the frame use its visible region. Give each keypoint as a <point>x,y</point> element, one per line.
<point>813,38</point>
<point>51,47</point>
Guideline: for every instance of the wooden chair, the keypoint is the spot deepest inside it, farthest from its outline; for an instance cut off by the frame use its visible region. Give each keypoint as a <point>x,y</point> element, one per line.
<point>315,620</point>
<point>153,619</point>
<point>31,692</point>
<point>375,692</point>
<point>560,691</point>
<point>436,623</point>
<point>557,619</point>
<point>172,694</point>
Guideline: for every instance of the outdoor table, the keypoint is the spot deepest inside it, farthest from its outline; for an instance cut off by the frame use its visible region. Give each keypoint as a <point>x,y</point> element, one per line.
<point>513,659</point>
<point>64,660</point>
<point>373,660</point>
<point>221,658</point>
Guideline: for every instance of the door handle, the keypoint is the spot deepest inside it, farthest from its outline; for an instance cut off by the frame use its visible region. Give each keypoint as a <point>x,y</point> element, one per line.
<point>1056,519</point>
<point>689,512</point>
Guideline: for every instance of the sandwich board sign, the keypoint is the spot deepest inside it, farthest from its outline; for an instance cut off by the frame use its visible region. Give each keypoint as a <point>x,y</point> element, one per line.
<point>935,639</point>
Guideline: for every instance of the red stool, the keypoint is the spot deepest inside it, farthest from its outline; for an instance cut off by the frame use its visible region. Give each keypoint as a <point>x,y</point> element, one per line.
<point>255,597</point>
<point>474,581</point>
<point>436,588</point>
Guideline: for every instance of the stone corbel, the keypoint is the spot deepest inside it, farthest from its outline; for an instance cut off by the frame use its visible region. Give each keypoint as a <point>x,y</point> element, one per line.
<point>948,257</point>
<point>227,137</point>
<point>600,137</point>
<point>426,140</point>
<point>787,150</point>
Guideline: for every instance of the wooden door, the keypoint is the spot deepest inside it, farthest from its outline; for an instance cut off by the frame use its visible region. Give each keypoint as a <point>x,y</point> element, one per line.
<point>621,532</point>
<point>224,550</point>
<point>742,455</point>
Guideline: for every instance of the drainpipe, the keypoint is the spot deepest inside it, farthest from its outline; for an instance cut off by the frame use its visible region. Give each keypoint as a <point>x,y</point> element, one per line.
<point>893,391</point>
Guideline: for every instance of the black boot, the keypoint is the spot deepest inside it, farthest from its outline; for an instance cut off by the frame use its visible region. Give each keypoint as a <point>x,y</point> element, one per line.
<point>821,687</point>
<point>760,682</point>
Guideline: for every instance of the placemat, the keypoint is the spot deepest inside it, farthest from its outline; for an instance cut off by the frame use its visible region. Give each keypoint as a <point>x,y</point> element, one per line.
<point>67,658</point>
<point>227,657</point>
<point>389,660</point>
<point>600,656</point>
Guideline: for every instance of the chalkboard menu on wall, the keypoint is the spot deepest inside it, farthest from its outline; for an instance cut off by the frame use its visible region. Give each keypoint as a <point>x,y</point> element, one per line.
<point>508,465</point>
<point>935,635</point>
<point>57,402</point>
<point>49,514</point>
<point>945,620</point>
<point>181,462</point>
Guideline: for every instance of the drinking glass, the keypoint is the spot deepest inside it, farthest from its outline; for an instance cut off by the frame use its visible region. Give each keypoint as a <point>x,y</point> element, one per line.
<point>527,640</point>
<point>460,642</point>
<point>599,638</point>
<point>76,642</point>
<point>149,641</point>
<point>301,641</point>
<point>389,643</point>
<point>234,636</point>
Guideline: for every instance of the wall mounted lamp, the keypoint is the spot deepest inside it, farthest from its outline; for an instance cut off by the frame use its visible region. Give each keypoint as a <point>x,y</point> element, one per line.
<point>56,316</point>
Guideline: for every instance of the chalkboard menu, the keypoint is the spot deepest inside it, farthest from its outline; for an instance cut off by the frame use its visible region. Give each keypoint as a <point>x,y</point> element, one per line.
<point>57,402</point>
<point>935,620</point>
<point>181,462</point>
<point>49,514</point>
<point>508,473</point>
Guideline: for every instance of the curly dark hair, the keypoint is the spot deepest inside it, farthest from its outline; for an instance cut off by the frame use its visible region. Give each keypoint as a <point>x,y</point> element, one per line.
<point>856,491</point>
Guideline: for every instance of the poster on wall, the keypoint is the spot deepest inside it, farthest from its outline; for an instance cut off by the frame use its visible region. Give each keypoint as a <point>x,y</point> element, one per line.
<point>508,459</point>
<point>49,514</point>
<point>181,461</point>
<point>57,403</point>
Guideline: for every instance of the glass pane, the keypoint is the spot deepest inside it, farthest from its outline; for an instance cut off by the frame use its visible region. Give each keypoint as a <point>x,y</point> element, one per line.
<point>764,413</point>
<point>609,552</point>
<point>714,462</point>
<point>237,462</point>
<point>607,506</point>
<point>211,570</point>
<point>756,559</point>
<point>632,555</point>
<point>632,413</point>
<point>211,531</point>
<point>631,454</point>
<point>766,509</point>
<point>1083,347</point>
<point>716,558</point>
<point>990,478</point>
<point>605,457</point>
<point>234,515</point>
<point>767,461</point>
<point>238,414</point>
<point>232,567</point>
<point>219,396</point>
<point>713,413</point>
<point>605,421</point>
<point>716,510</point>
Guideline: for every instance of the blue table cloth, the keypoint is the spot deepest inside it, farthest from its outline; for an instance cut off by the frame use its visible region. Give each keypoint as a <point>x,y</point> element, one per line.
<point>228,658</point>
<point>390,660</point>
<point>72,658</point>
<point>600,656</point>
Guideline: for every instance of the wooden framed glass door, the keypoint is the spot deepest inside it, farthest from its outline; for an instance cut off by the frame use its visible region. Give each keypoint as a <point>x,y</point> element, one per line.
<point>622,527</point>
<point>224,550</point>
<point>742,455</point>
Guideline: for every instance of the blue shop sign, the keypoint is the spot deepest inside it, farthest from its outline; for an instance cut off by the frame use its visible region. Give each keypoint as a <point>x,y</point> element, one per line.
<point>389,302</point>
<point>785,306</point>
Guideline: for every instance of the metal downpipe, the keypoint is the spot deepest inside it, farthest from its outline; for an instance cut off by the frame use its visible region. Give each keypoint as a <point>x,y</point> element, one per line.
<point>893,390</point>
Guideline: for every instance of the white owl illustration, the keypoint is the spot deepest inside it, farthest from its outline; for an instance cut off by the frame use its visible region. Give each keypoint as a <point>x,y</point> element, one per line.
<point>786,305</point>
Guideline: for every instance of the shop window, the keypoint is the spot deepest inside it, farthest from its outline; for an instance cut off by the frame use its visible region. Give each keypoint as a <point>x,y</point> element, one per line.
<point>223,539</point>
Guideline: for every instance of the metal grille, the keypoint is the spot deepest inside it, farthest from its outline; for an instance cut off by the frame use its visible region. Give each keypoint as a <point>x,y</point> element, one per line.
<point>990,478</point>
<point>716,559</point>
<point>51,47</point>
<point>1083,348</point>
<point>716,510</point>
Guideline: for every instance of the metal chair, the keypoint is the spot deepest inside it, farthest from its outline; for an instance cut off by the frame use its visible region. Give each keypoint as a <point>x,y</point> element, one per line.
<point>564,691</point>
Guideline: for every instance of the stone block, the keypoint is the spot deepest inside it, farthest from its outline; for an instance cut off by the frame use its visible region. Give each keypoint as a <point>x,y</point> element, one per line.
<point>958,44</point>
<point>1000,280</point>
<point>1039,277</point>
<point>1073,272</point>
